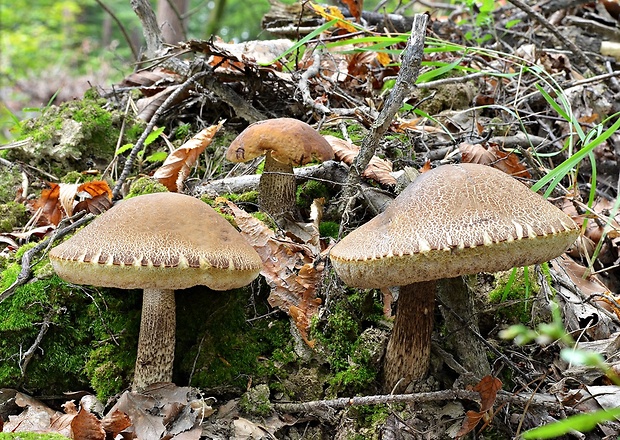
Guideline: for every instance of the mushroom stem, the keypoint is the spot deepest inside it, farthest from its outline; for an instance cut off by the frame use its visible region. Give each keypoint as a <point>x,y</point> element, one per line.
<point>277,188</point>
<point>156,341</point>
<point>409,349</point>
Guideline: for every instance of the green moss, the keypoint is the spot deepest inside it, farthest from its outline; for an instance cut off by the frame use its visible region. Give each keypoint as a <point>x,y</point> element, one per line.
<point>229,351</point>
<point>310,190</point>
<point>10,181</point>
<point>256,401</point>
<point>329,229</point>
<point>30,436</point>
<point>246,197</point>
<point>145,185</point>
<point>81,323</point>
<point>77,177</point>
<point>78,134</point>
<point>516,290</point>
<point>12,215</point>
<point>340,335</point>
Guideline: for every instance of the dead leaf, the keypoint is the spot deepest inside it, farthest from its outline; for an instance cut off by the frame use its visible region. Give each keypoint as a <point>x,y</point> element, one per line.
<point>355,7</point>
<point>115,422</point>
<point>66,199</point>
<point>378,169</point>
<point>177,165</point>
<point>487,388</point>
<point>86,426</point>
<point>493,156</point>
<point>289,269</point>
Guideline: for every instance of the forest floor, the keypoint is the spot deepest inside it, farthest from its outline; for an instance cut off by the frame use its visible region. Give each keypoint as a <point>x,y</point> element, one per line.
<point>532,91</point>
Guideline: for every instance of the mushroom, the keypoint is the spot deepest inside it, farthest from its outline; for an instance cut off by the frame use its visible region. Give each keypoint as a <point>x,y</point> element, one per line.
<point>159,243</point>
<point>285,142</point>
<point>450,221</point>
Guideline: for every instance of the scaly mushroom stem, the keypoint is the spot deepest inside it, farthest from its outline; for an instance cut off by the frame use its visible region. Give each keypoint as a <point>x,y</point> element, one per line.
<point>409,349</point>
<point>277,188</point>
<point>156,341</point>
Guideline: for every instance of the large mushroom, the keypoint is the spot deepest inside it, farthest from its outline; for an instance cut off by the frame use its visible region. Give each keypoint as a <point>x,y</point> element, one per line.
<point>285,142</point>
<point>159,243</point>
<point>450,221</point>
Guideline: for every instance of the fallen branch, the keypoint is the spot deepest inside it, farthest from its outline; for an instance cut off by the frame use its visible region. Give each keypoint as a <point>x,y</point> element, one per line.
<point>319,406</point>
<point>409,69</point>
<point>332,173</point>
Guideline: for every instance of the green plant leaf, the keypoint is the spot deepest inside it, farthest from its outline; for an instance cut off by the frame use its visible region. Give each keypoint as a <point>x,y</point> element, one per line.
<point>581,423</point>
<point>153,136</point>
<point>124,148</point>
<point>158,156</point>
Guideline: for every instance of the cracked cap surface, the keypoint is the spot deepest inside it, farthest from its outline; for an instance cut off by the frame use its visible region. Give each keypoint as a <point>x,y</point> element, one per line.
<point>450,221</point>
<point>158,241</point>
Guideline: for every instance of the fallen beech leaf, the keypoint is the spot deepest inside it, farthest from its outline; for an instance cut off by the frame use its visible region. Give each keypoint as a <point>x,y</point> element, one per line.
<point>115,422</point>
<point>493,156</point>
<point>65,199</point>
<point>86,426</point>
<point>175,168</point>
<point>289,269</point>
<point>487,388</point>
<point>378,169</point>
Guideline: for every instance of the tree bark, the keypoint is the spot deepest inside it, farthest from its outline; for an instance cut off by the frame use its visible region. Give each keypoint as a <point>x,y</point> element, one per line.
<point>461,325</point>
<point>409,349</point>
<point>157,339</point>
<point>170,18</point>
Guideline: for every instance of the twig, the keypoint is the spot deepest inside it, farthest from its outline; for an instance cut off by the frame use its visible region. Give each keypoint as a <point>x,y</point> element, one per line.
<point>150,29</point>
<point>409,69</point>
<point>26,270</point>
<point>138,146</point>
<point>27,356</point>
<point>312,71</point>
<point>319,406</point>
<point>103,6</point>
<point>583,59</point>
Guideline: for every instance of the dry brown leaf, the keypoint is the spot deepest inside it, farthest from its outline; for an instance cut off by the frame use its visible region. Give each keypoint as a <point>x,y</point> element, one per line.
<point>115,422</point>
<point>378,169</point>
<point>493,156</point>
<point>288,267</point>
<point>487,388</point>
<point>65,199</point>
<point>86,426</point>
<point>355,7</point>
<point>151,82</point>
<point>177,165</point>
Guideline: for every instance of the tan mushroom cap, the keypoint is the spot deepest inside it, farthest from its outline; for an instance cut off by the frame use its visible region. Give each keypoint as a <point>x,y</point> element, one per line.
<point>454,220</point>
<point>289,140</point>
<point>158,241</point>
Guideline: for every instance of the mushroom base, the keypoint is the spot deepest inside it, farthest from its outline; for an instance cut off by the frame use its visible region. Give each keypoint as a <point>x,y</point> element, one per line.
<point>157,339</point>
<point>407,356</point>
<point>277,188</point>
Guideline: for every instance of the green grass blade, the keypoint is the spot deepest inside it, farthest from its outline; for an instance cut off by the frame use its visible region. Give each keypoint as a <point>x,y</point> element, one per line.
<point>581,423</point>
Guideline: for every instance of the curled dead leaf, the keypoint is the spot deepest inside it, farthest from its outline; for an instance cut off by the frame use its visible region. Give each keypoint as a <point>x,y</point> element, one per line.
<point>177,165</point>
<point>378,169</point>
<point>493,156</point>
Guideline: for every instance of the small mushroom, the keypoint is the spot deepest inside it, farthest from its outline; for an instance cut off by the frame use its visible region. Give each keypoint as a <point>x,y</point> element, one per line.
<point>450,221</point>
<point>159,243</point>
<point>285,142</point>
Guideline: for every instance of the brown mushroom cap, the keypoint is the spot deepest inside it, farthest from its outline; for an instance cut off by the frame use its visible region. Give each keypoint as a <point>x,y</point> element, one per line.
<point>158,241</point>
<point>454,220</point>
<point>289,140</point>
